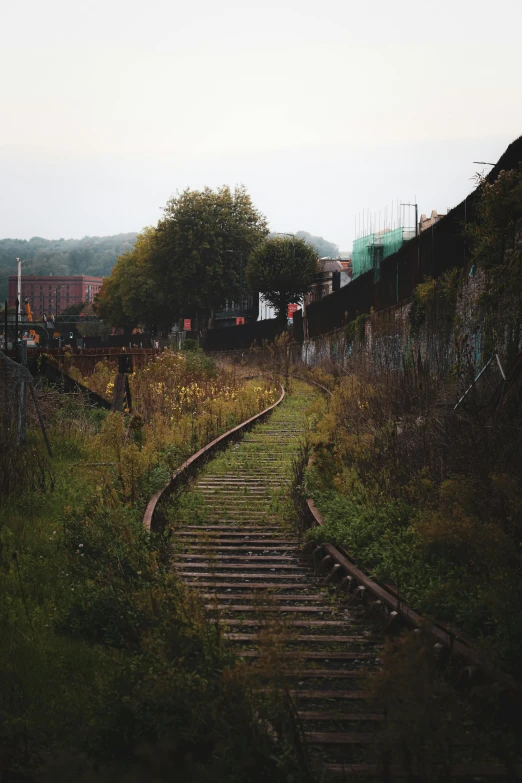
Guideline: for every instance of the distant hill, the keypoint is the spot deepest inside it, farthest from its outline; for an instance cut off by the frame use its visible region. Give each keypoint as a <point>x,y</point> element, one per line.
<point>90,255</point>
<point>322,246</point>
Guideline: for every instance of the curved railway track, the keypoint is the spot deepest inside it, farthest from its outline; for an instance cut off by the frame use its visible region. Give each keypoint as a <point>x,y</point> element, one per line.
<point>234,544</point>
<point>246,561</point>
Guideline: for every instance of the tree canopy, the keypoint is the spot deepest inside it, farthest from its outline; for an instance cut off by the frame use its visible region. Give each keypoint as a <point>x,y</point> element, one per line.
<point>130,296</point>
<point>283,270</point>
<point>189,265</point>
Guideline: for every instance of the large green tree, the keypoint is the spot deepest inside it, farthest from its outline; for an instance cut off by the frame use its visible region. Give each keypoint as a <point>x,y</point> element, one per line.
<point>283,270</point>
<point>201,242</point>
<point>189,265</point>
<point>131,295</point>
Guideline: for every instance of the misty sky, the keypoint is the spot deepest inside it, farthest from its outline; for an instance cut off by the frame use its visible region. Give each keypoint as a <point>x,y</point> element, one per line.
<point>322,109</point>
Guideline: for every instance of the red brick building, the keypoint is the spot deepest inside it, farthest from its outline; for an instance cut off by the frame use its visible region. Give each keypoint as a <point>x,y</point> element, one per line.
<point>53,293</point>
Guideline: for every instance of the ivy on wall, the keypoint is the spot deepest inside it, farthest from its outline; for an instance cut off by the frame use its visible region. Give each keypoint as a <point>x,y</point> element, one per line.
<point>444,290</point>
<point>496,238</point>
<point>355,330</point>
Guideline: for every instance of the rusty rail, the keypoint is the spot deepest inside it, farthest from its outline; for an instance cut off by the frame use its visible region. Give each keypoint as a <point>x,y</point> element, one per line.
<point>314,383</point>
<point>453,640</point>
<point>153,519</point>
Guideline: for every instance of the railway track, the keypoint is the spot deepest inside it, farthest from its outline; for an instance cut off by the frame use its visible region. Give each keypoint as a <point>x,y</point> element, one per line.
<point>235,545</point>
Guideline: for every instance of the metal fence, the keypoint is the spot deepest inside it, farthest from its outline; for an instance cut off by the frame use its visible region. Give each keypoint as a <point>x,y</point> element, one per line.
<point>14,382</point>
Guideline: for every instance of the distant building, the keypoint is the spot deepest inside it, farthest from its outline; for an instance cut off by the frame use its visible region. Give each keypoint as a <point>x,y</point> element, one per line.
<point>332,274</point>
<point>428,222</point>
<point>54,293</point>
<point>265,310</point>
<point>346,271</point>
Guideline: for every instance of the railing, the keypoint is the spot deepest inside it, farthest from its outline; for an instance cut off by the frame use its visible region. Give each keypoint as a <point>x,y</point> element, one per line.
<point>76,319</point>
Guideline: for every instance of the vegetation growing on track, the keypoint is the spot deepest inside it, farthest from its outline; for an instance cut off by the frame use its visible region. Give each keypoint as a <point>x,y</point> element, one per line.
<point>108,668</point>
<point>189,507</point>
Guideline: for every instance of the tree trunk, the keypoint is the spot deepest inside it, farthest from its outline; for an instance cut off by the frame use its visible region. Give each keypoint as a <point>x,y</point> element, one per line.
<point>282,310</point>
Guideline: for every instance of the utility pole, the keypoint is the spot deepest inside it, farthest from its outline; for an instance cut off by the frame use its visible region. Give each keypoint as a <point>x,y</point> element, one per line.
<point>416,216</point>
<point>241,281</point>
<point>56,301</point>
<point>19,287</point>
<point>55,292</point>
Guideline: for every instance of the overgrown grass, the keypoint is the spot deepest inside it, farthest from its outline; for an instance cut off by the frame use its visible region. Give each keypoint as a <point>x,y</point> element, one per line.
<point>428,500</point>
<point>108,668</point>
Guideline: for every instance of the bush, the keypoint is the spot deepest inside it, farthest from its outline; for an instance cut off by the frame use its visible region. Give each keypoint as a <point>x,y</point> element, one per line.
<point>428,499</point>
<point>190,344</point>
<point>109,669</point>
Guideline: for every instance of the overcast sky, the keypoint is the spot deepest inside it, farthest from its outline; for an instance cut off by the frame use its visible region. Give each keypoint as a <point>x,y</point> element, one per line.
<point>322,109</point>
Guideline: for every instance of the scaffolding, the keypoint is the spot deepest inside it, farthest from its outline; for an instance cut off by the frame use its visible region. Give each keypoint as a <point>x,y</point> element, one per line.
<point>370,250</point>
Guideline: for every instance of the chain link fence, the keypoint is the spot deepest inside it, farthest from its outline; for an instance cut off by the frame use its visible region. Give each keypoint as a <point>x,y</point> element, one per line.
<point>23,464</point>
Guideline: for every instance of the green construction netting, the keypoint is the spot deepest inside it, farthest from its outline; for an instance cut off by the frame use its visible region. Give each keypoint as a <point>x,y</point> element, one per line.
<point>370,250</point>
